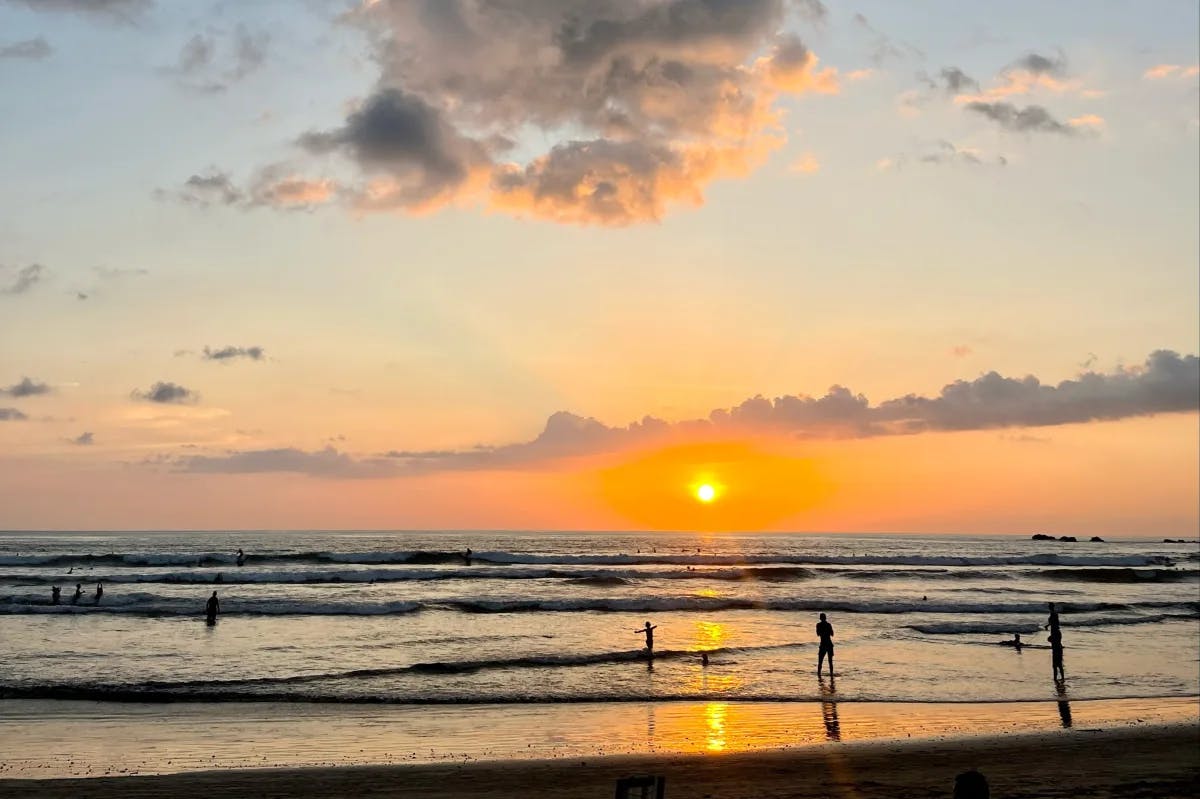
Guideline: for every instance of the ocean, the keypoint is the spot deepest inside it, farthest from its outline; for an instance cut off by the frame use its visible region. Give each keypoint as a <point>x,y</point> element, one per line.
<point>552,617</point>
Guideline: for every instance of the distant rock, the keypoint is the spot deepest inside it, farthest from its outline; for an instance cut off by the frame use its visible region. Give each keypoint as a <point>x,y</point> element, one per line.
<point>1044,537</point>
<point>1067,538</point>
<point>1097,539</point>
<point>1179,541</point>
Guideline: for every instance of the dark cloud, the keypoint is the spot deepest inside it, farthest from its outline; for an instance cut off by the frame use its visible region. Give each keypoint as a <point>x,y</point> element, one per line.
<point>32,49</point>
<point>955,81</point>
<point>27,277</point>
<point>328,462</point>
<point>85,439</point>
<point>124,10</point>
<point>401,135</point>
<point>211,62</point>
<point>1030,119</point>
<point>507,103</point>
<point>11,415</point>
<point>231,353</point>
<point>211,188</point>
<point>164,392</point>
<point>1041,65</point>
<point>26,388</point>
<point>1165,383</point>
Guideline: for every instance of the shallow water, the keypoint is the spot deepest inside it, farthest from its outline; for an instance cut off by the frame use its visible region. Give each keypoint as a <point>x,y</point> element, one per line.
<point>551,617</point>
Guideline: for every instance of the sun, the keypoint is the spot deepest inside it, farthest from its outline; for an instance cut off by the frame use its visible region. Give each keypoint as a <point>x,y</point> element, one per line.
<point>706,493</point>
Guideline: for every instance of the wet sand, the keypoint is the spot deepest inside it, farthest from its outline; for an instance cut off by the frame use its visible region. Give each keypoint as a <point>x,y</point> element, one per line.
<point>1132,763</point>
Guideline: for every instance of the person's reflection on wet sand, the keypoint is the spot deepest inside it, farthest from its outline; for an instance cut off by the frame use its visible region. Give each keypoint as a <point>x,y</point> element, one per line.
<point>1064,707</point>
<point>829,713</point>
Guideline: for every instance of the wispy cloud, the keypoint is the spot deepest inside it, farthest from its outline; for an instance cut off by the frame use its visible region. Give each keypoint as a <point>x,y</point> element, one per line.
<point>806,164</point>
<point>1164,71</point>
<point>29,49</point>
<point>26,278</point>
<point>85,439</point>
<point>1030,119</point>
<point>211,62</point>
<point>233,353</point>
<point>12,415</point>
<point>121,10</point>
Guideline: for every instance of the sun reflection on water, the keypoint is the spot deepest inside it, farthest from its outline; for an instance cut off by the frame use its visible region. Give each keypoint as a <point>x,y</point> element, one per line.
<point>714,718</point>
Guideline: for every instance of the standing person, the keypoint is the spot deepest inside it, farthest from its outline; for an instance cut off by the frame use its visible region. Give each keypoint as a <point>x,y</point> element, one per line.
<point>825,633</point>
<point>211,609</point>
<point>241,558</point>
<point>78,593</point>
<point>99,591</point>
<point>467,556</point>
<point>648,631</point>
<point>1056,646</point>
<point>55,594</point>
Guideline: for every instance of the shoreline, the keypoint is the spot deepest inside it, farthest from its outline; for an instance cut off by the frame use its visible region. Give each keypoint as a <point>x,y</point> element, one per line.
<point>44,739</point>
<point>1160,761</point>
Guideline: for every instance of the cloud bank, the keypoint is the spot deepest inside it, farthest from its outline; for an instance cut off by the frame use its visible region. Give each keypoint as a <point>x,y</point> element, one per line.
<point>26,388</point>
<point>581,111</point>
<point>1165,383</point>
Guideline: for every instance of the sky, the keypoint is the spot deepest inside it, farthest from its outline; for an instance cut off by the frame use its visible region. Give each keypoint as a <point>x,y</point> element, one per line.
<point>558,264</point>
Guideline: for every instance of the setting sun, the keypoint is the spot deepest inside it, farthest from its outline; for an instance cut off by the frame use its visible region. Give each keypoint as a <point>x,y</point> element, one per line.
<point>706,493</point>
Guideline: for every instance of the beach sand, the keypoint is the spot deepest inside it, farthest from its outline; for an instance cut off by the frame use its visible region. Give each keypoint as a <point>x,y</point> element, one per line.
<point>1132,763</point>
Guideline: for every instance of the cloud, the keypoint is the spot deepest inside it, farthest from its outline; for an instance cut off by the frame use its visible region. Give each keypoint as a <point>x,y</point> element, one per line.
<point>942,152</point>
<point>213,187</point>
<point>1030,119</point>
<point>11,415</point>
<point>212,62</point>
<point>231,353</point>
<point>27,277</point>
<point>272,186</point>
<point>164,392</point>
<point>85,439</point>
<point>578,111</point>
<point>1023,76</point>
<point>1163,71</point>
<point>806,164</point>
<point>961,351</point>
<point>26,388</point>
<point>31,49</point>
<point>1165,383</point>
<point>955,81</point>
<point>123,10</point>
<point>327,462</point>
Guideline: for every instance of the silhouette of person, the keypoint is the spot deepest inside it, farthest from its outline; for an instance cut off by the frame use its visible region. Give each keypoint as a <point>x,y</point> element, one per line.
<point>99,591</point>
<point>704,659</point>
<point>1015,643</point>
<point>55,594</point>
<point>78,593</point>
<point>825,633</point>
<point>971,785</point>
<point>467,556</point>
<point>241,558</point>
<point>1056,645</point>
<point>212,608</point>
<point>648,631</point>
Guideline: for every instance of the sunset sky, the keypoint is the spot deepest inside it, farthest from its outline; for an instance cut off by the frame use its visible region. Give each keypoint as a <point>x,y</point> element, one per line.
<point>509,264</point>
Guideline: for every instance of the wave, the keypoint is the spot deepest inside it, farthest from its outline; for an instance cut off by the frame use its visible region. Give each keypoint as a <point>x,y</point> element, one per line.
<point>501,558</point>
<point>140,603</point>
<point>1004,627</point>
<point>1120,575</point>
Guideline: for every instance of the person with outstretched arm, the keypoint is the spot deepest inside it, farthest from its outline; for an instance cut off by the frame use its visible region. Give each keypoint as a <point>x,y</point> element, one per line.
<point>211,609</point>
<point>648,631</point>
<point>825,633</point>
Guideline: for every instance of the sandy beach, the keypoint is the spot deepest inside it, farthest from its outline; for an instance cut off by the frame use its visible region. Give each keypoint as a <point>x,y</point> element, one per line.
<point>1158,762</point>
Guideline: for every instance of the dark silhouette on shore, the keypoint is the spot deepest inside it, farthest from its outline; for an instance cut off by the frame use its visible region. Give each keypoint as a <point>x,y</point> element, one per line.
<point>825,633</point>
<point>241,558</point>
<point>971,785</point>
<point>211,609</point>
<point>1015,643</point>
<point>704,659</point>
<point>99,592</point>
<point>1056,646</point>
<point>78,593</point>
<point>648,631</point>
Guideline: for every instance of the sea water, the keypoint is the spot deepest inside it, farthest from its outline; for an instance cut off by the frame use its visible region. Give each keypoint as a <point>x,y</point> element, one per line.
<point>406,618</point>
